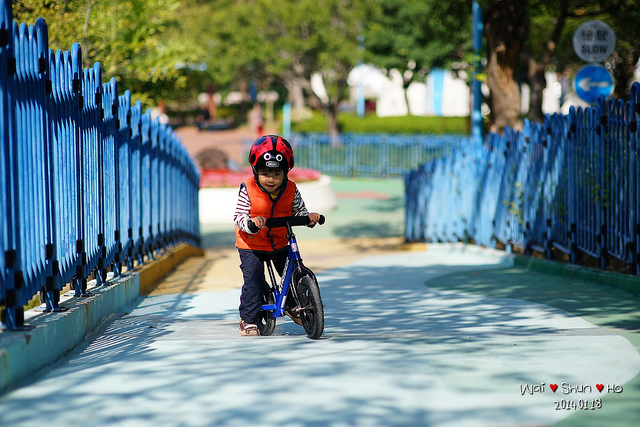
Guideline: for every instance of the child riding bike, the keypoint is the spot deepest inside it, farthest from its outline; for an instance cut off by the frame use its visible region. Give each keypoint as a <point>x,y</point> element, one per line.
<point>267,195</point>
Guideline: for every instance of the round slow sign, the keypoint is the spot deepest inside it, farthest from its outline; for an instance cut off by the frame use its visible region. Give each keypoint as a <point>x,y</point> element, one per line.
<point>594,41</point>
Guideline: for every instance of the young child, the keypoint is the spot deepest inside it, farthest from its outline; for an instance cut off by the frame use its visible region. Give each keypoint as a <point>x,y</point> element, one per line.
<point>269,194</point>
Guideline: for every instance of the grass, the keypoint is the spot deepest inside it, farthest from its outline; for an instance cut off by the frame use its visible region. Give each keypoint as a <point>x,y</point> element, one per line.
<point>395,125</point>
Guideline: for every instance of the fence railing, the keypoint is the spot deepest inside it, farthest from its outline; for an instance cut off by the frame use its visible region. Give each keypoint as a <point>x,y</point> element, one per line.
<point>88,181</point>
<point>567,186</point>
<point>369,155</point>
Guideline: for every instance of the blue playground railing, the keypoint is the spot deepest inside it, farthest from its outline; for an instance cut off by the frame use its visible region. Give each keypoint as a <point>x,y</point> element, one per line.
<point>369,155</point>
<point>566,188</point>
<point>88,182</point>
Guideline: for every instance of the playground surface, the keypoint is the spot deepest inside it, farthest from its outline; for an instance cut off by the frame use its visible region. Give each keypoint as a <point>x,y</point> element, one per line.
<point>415,335</point>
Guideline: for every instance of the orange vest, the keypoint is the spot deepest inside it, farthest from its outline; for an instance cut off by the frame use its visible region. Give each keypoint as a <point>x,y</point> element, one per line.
<point>262,204</point>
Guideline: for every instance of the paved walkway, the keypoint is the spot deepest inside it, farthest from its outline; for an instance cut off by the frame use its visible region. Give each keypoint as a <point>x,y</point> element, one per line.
<point>228,140</point>
<point>442,335</point>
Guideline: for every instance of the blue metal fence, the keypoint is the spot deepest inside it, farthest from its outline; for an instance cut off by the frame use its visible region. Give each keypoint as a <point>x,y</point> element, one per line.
<point>369,155</point>
<point>568,185</point>
<point>88,182</point>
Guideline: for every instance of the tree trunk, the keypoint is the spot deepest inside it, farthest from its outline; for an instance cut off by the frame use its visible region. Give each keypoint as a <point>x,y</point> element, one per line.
<point>537,83</point>
<point>506,26</point>
<point>506,110</point>
<point>536,68</point>
<point>405,88</point>
<point>332,124</point>
<point>336,84</point>
<point>211,105</point>
<point>296,95</point>
<point>623,73</point>
<point>406,100</point>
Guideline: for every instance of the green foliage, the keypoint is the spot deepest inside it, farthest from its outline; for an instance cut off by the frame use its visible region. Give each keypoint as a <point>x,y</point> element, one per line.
<point>137,48</point>
<point>134,41</point>
<point>516,205</point>
<point>158,49</point>
<point>415,36</point>
<point>64,19</point>
<point>552,25</point>
<point>395,125</point>
<point>270,40</point>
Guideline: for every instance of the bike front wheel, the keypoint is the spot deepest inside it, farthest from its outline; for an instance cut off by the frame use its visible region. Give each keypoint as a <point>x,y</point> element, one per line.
<point>311,309</point>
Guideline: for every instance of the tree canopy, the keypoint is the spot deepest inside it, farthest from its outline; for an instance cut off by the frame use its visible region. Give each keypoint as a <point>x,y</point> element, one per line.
<point>287,42</point>
<point>173,49</point>
<point>415,36</point>
<point>527,38</point>
<point>131,39</point>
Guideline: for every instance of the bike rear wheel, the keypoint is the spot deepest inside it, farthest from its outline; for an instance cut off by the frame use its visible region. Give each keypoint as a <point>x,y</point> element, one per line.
<point>311,309</point>
<point>266,321</point>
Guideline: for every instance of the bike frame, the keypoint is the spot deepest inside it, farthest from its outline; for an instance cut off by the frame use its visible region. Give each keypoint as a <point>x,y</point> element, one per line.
<point>292,264</point>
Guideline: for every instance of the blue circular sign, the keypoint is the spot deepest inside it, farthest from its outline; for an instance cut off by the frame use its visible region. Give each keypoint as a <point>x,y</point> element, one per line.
<point>591,81</point>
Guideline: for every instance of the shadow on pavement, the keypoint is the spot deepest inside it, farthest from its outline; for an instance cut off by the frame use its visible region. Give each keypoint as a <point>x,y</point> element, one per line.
<point>395,352</point>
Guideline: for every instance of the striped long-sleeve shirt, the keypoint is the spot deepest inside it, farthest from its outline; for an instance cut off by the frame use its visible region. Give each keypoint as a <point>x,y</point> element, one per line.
<point>242,215</point>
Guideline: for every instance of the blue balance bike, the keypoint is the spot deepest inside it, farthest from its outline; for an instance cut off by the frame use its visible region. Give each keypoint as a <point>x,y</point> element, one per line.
<point>297,282</point>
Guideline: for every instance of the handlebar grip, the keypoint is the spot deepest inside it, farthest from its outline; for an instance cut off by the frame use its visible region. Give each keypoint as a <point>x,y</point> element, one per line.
<point>253,227</point>
<point>282,221</point>
<point>293,220</point>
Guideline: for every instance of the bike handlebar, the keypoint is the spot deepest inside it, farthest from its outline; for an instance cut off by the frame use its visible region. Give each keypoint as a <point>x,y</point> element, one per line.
<point>282,222</point>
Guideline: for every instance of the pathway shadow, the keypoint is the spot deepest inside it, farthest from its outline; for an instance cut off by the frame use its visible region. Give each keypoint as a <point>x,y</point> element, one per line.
<point>395,352</point>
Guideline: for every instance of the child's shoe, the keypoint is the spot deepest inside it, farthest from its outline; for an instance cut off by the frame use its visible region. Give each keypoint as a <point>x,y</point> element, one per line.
<point>248,329</point>
<point>293,315</point>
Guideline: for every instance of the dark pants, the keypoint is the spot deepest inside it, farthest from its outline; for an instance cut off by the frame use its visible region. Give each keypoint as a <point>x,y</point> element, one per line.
<point>252,266</point>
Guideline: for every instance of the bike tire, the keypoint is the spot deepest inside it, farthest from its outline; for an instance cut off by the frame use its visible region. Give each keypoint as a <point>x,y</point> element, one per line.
<point>311,308</point>
<point>266,321</point>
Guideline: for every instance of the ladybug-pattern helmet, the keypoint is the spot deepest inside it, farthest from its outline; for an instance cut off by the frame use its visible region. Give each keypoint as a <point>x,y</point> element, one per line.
<point>271,151</point>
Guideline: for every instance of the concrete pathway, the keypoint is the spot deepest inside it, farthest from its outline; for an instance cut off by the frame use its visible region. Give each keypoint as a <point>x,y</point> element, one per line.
<point>448,335</point>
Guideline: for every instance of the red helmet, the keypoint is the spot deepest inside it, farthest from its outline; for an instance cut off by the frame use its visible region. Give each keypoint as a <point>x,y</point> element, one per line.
<point>271,151</point>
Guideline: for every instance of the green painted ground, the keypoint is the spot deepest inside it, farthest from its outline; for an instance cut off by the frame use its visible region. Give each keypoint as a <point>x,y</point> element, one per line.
<point>366,208</point>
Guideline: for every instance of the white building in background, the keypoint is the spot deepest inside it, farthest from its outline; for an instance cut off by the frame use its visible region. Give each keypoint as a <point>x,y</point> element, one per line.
<point>447,95</point>
<point>440,94</point>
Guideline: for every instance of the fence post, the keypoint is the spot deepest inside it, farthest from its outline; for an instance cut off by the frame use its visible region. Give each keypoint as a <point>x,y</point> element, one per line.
<point>602,168</point>
<point>31,174</point>
<point>10,275</point>
<point>107,178</point>
<point>5,111</point>
<point>572,141</point>
<point>548,241</point>
<point>124,186</point>
<point>634,113</point>
<point>50,294</point>
<point>145,187</point>
<point>135,191</point>
<point>163,141</point>
<point>63,113</point>
<point>88,244</point>
<point>155,201</point>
